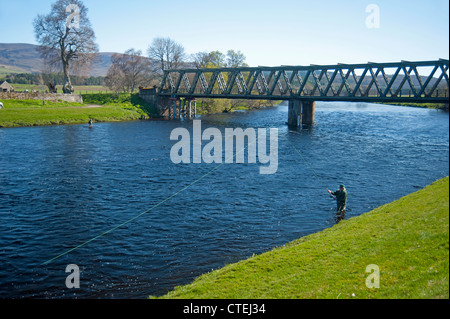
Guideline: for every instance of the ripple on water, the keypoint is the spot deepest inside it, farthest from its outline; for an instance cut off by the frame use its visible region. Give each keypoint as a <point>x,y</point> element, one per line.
<point>62,186</point>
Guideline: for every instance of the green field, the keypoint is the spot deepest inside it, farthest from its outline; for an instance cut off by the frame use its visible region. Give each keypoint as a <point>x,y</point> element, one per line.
<point>4,70</point>
<point>79,89</point>
<point>407,239</point>
<point>100,107</point>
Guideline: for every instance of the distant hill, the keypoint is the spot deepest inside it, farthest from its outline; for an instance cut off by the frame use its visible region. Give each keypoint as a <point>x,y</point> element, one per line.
<point>19,57</point>
<point>24,58</point>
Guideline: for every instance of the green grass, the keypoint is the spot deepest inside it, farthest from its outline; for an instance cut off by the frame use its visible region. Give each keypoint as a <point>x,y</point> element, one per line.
<point>408,239</point>
<point>122,107</point>
<point>79,89</point>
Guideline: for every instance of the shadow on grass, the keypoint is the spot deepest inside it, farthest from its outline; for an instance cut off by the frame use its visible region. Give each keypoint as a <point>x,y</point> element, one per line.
<point>125,100</point>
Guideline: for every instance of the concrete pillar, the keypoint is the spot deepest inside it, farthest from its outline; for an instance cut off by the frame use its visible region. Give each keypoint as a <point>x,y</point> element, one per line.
<point>195,108</point>
<point>183,109</point>
<point>308,112</point>
<point>190,109</point>
<point>295,113</point>
<point>170,108</point>
<point>174,110</point>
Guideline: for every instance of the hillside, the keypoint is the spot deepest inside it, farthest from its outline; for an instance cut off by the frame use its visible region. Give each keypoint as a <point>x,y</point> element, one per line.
<point>19,57</point>
<point>24,58</point>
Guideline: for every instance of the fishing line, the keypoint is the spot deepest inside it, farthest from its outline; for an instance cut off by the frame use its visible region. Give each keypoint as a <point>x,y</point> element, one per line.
<point>143,213</point>
<point>130,220</point>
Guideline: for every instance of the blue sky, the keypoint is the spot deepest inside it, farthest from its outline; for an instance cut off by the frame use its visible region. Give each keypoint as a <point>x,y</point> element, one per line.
<point>275,32</point>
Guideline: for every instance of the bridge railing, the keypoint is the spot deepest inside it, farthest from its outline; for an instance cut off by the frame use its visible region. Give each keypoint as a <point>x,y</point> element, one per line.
<point>423,81</point>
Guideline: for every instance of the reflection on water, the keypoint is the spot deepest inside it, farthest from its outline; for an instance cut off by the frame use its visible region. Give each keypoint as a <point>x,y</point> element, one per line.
<point>64,185</point>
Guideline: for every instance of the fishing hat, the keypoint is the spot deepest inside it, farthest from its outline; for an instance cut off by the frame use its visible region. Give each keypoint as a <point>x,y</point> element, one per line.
<point>342,186</point>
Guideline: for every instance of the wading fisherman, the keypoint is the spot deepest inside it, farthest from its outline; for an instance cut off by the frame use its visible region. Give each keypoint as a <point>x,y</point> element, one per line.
<point>341,199</point>
<point>90,122</point>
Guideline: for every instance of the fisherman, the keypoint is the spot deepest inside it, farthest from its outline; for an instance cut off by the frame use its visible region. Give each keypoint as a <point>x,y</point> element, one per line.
<point>341,199</point>
<point>90,122</point>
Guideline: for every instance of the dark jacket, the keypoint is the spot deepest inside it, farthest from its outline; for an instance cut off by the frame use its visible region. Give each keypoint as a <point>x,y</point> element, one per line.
<point>341,198</point>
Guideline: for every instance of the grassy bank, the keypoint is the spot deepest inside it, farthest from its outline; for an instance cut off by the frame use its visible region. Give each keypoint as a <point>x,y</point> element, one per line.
<point>100,107</point>
<point>407,239</point>
<point>439,106</point>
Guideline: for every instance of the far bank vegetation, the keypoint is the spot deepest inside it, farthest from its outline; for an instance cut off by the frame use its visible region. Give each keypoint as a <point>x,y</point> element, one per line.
<point>131,70</point>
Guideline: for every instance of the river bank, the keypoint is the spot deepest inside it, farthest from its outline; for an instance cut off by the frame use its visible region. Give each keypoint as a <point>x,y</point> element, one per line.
<point>407,240</point>
<point>99,107</point>
<point>438,106</point>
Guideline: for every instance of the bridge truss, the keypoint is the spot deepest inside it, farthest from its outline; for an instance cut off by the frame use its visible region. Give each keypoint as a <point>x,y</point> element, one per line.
<point>405,81</point>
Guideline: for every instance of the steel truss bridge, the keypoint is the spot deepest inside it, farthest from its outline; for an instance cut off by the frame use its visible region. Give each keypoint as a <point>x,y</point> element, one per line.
<point>405,81</point>
<point>371,82</point>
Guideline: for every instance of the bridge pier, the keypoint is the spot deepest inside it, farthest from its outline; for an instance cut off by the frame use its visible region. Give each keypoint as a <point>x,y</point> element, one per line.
<point>173,108</point>
<point>295,113</point>
<point>301,113</point>
<point>195,107</point>
<point>309,109</point>
<point>178,108</point>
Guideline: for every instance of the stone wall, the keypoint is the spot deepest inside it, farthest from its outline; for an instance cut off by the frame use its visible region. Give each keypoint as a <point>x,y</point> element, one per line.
<point>53,97</point>
<point>150,95</point>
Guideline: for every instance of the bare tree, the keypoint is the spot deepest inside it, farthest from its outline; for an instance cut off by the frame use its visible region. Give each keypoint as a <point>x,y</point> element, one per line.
<point>128,71</point>
<point>66,38</point>
<point>115,79</point>
<point>201,59</point>
<point>167,52</point>
<point>45,77</point>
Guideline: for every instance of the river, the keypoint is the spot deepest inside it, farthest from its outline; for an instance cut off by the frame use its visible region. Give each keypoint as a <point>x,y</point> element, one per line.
<point>64,187</point>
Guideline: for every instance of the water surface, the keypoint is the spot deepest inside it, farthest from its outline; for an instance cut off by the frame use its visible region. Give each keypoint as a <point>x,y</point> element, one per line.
<point>61,186</point>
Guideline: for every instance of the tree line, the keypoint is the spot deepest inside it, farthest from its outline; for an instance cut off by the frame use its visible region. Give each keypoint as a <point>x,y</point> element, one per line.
<point>54,78</point>
<point>132,69</point>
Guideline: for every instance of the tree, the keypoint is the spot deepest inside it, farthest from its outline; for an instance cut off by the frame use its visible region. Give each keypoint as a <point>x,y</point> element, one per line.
<point>235,59</point>
<point>213,59</point>
<point>201,59</point>
<point>115,79</point>
<point>127,71</point>
<point>168,53</point>
<point>66,38</point>
<point>217,59</point>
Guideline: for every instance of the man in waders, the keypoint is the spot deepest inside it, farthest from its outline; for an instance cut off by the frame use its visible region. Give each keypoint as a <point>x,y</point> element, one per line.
<point>341,199</point>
